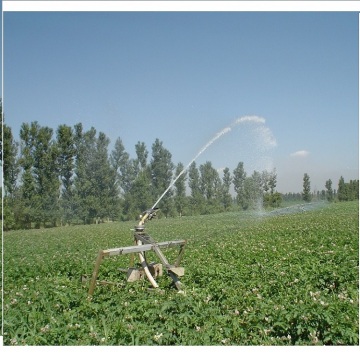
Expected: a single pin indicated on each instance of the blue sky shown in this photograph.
(183, 76)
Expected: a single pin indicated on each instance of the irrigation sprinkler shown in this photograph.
(143, 243)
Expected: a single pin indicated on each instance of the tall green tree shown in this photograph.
(138, 198)
(180, 189)
(124, 167)
(207, 180)
(342, 190)
(161, 167)
(46, 171)
(353, 189)
(306, 193)
(67, 151)
(272, 181)
(329, 191)
(271, 198)
(97, 196)
(40, 182)
(142, 154)
(10, 168)
(30, 202)
(83, 193)
(196, 199)
(104, 180)
(10, 161)
(226, 183)
(96, 179)
(254, 190)
(239, 185)
(348, 191)
(216, 202)
(210, 186)
(1, 130)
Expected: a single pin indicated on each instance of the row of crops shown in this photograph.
(289, 279)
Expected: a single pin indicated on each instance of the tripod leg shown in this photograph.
(175, 280)
(146, 269)
(95, 272)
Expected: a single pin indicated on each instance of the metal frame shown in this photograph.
(143, 243)
(173, 270)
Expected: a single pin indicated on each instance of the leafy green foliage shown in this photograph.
(306, 194)
(249, 280)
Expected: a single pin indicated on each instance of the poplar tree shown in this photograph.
(329, 191)
(341, 193)
(255, 190)
(29, 199)
(40, 183)
(270, 197)
(161, 168)
(354, 188)
(348, 191)
(46, 170)
(207, 180)
(239, 184)
(272, 181)
(180, 189)
(84, 196)
(103, 178)
(226, 183)
(210, 186)
(196, 199)
(306, 194)
(123, 166)
(142, 154)
(67, 152)
(10, 167)
(10, 163)
(138, 198)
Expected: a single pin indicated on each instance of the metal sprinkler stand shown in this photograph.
(143, 243)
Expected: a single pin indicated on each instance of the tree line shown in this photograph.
(70, 177)
(344, 192)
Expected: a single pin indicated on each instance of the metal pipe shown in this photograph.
(146, 269)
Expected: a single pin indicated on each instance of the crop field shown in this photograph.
(286, 279)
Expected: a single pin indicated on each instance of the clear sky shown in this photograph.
(183, 76)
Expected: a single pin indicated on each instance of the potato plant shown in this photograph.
(289, 279)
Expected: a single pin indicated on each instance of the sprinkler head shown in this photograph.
(150, 212)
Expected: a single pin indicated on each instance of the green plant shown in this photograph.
(249, 280)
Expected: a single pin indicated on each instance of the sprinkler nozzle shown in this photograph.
(151, 213)
(147, 215)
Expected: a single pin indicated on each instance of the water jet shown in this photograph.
(143, 242)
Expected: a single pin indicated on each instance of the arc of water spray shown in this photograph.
(217, 136)
(248, 118)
